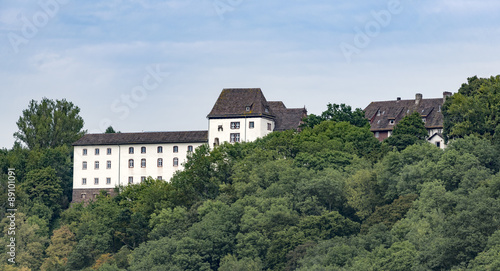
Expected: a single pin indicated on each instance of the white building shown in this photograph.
(245, 115)
(104, 161)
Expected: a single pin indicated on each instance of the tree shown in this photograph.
(49, 124)
(338, 113)
(410, 130)
(110, 130)
(61, 245)
(474, 109)
(43, 184)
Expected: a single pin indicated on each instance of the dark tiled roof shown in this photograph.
(286, 119)
(430, 109)
(143, 138)
(233, 103)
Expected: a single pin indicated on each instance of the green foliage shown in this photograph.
(49, 124)
(391, 213)
(43, 184)
(61, 245)
(231, 263)
(110, 130)
(330, 197)
(474, 109)
(338, 113)
(410, 130)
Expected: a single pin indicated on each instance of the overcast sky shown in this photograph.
(144, 65)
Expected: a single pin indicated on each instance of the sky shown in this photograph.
(145, 65)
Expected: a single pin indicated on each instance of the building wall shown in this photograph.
(381, 135)
(120, 171)
(437, 141)
(260, 129)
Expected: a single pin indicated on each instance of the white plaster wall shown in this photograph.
(437, 139)
(120, 171)
(90, 173)
(246, 133)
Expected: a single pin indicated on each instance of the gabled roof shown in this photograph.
(286, 118)
(380, 113)
(233, 102)
(436, 135)
(143, 138)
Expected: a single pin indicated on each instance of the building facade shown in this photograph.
(105, 161)
(244, 115)
(384, 115)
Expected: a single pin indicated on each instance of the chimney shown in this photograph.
(446, 94)
(418, 99)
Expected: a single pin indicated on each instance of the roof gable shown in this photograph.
(234, 102)
(381, 113)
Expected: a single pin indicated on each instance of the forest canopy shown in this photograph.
(328, 197)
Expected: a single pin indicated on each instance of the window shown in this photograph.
(143, 178)
(216, 141)
(190, 148)
(176, 149)
(84, 152)
(235, 125)
(160, 149)
(423, 119)
(108, 152)
(96, 165)
(130, 179)
(247, 108)
(84, 165)
(251, 125)
(95, 196)
(131, 150)
(176, 162)
(269, 126)
(160, 178)
(84, 181)
(143, 162)
(108, 180)
(84, 195)
(96, 180)
(160, 162)
(391, 122)
(108, 164)
(438, 144)
(131, 163)
(377, 134)
(220, 129)
(235, 137)
(96, 151)
(143, 149)
(378, 112)
(267, 110)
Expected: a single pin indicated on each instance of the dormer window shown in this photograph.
(391, 122)
(247, 108)
(266, 110)
(378, 112)
(423, 119)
